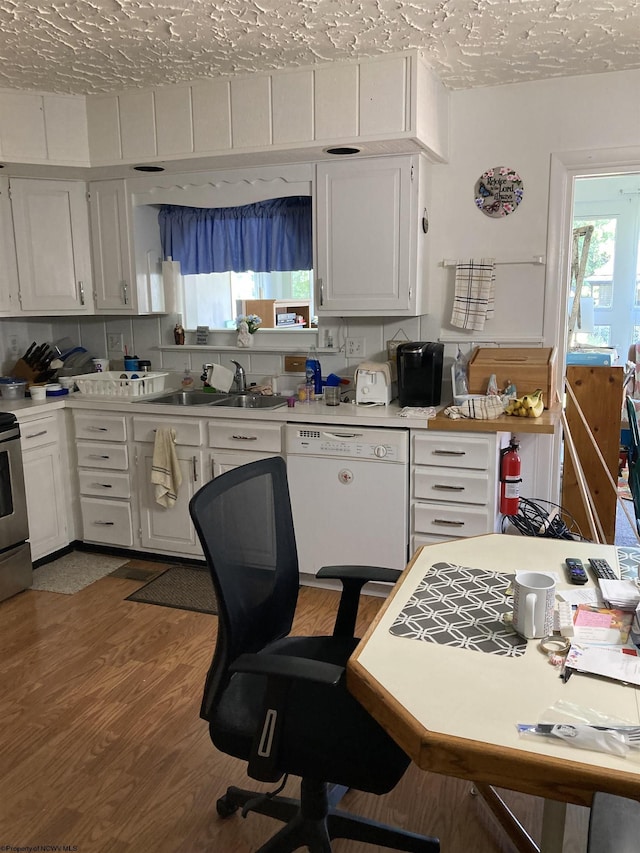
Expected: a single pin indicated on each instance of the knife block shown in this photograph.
(22, 370)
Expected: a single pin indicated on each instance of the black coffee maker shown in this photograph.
(419, 373)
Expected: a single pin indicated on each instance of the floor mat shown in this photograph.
(73, 572)
(182, 587)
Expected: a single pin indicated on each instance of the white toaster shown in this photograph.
(373, 383)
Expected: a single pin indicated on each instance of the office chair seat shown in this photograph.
(360, 755)
(614, 825)
(279, 702)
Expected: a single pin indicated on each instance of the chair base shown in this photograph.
(313, 821)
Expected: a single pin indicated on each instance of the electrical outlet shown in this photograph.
(355, 347)
(115, 343)
(13, 345)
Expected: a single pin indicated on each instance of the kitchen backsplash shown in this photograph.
(144, 335)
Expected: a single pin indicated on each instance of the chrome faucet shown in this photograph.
(240, 378)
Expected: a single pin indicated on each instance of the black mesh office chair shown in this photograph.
(280, 702)
(614, 825)
(633, 460)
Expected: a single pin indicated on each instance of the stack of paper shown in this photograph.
(624, 595)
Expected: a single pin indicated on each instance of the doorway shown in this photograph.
(610, 293)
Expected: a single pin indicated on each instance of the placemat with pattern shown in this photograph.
(461, 607)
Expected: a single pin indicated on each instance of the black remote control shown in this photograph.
(602, 569)
(576, 571)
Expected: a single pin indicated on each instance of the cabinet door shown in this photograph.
(8, 270)
(111, 247)
(366, 240)
(45, 500)
(51, 224)
(169, 530)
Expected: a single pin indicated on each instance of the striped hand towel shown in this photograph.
(165, 468)
(473, 302)
(479, 408)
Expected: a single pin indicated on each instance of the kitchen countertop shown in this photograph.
(346, 413)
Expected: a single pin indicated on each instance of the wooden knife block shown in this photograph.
(22, 370)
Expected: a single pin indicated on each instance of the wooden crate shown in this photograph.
(527, 367)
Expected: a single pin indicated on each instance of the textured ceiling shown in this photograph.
(91, 46)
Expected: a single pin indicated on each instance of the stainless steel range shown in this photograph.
(15, 554)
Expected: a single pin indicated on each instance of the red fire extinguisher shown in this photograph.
(510, 478)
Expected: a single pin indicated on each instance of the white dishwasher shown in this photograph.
(350, 495)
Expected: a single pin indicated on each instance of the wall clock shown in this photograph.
(498, 191)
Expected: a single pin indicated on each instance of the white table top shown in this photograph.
(455, 710)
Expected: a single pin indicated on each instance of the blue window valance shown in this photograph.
(261, 237)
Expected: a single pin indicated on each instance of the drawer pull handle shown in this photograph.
(97, 429)
(103, 485)
(97, 456)
(105, 523)
(244, 437)
(447, 523)
(195, 470)
(445, 487)
(36, 434)
(449, 452)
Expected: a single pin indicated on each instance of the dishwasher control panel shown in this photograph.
(378, 445)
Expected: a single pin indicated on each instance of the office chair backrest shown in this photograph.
(243, 519)
(633, 429)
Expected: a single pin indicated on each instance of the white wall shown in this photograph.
(519, 125)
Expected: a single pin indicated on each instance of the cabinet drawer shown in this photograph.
(451, 484)
(453, 451)
(248, 435)
(450, 521)
(187, 431)
(107, 521)
(91, 454)
(100, 427)
(105, 484)
(38, 433)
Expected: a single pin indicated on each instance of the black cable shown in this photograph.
(544, 519)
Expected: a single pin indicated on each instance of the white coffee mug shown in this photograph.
(534, 596)
(101, 365)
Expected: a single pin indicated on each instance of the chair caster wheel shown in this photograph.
(226, 808)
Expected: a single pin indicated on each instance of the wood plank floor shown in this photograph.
(102, 746)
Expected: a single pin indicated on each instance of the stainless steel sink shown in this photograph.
(188, 398)
(251, 401)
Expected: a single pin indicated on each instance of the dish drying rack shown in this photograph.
(124, 383)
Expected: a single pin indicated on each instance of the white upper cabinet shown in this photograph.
(370, 246)
(9, 304)
(114, 285)
(51, 225)
(127, 256)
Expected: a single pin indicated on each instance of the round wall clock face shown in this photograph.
(499, 191)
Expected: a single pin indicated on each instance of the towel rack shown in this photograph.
(534, 259)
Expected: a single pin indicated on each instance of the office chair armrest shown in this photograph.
(364, 573)
(353, 579)
(289, 667)
(281, 671)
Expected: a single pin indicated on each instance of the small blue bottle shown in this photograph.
(313, 371)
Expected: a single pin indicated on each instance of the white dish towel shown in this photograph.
(165, 468)
(473, 302)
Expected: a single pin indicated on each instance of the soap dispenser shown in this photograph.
(187, 380)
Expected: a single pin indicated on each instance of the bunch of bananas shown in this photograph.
(529, 406)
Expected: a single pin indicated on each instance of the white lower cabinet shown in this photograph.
(236, 443)
(44, 485)
(103, 474)
(454, 485)
(168, 530)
